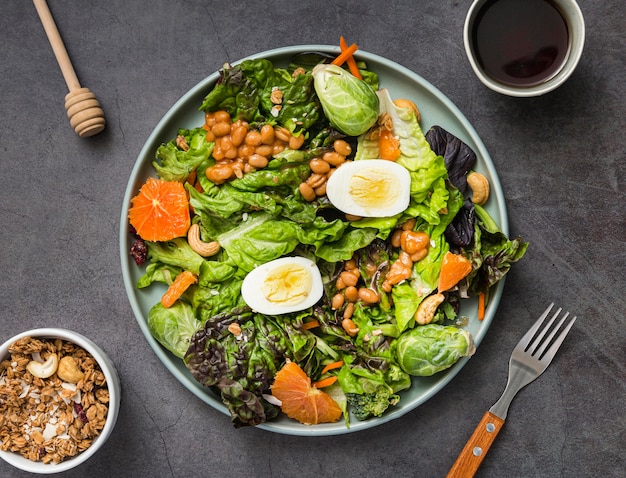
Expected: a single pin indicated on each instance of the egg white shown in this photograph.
(370, 188)
(252, 288)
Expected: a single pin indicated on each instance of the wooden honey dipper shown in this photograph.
(82, 106)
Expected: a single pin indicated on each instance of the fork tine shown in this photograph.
(532, 347)
(525, 340)
(551, 352)
(540, 349)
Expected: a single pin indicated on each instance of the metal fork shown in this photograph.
(530, 357)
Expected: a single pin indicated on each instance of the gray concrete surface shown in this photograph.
(560, 158)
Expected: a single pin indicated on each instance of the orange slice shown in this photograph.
(160, 211)
(454, 267)
(301, 400)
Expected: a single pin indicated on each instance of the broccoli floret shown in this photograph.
(367, 405)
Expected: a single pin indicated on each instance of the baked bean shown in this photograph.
(349, 278)
(351, 293)
(348, 312)
(316, 180)
(296, 142)
(350, 265)
(333, 158)
(210, 137)
(238, 134)
(245, 151)
(419, 255)
(209, 119)
(339, 283)
(307, 192)
(230, 153)
(226, 143)
(320, 190)
(409, 224)
(267, 134)
(219, 173)
(264, 150)
(278, 148)
(337, 301)
(253, 138)
(369, 296)
(218, 153)
(221, 129)
(257, 161)
(395, 238)
(342, 147)
(282, 134)
(319, 166)
(348, 324)
(222, 116)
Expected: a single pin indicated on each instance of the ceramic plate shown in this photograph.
(435, 108)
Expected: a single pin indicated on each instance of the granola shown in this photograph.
(50, 419)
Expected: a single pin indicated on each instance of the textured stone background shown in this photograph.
(560, 159)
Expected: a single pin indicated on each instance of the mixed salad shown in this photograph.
(365, 298)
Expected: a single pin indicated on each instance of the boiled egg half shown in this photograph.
(370, 188)
(284, 285)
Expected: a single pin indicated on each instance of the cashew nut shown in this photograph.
(426, 310)
(205, 249)
(69, 371)
(404, 103)
(44, 369)
(480, 187)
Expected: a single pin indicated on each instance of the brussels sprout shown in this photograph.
(428, 349)
(350, 104)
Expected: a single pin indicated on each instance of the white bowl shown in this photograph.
(576, 29)
(113, 385)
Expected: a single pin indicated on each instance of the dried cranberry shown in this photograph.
(139, 251)
(78, 408)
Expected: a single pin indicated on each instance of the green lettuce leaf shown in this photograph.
(175, 164)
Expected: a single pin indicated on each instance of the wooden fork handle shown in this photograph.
(476, 447)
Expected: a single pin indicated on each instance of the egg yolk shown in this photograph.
(372, 187)
(288, 284)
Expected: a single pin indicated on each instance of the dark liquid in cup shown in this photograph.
(520, 42)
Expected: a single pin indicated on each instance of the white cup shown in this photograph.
(570, 11)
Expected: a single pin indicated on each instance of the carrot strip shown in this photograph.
(354, 69)
(332, 366)
(311, 324)
(177, 288)
(344, 55)
(325, 382)
(481, 306)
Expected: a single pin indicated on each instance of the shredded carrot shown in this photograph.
(354, 69)
(481, 306)
(177, 288)
(344, 55)
(325, 382)
(191, 178)
(332, 366)
(311, 324)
